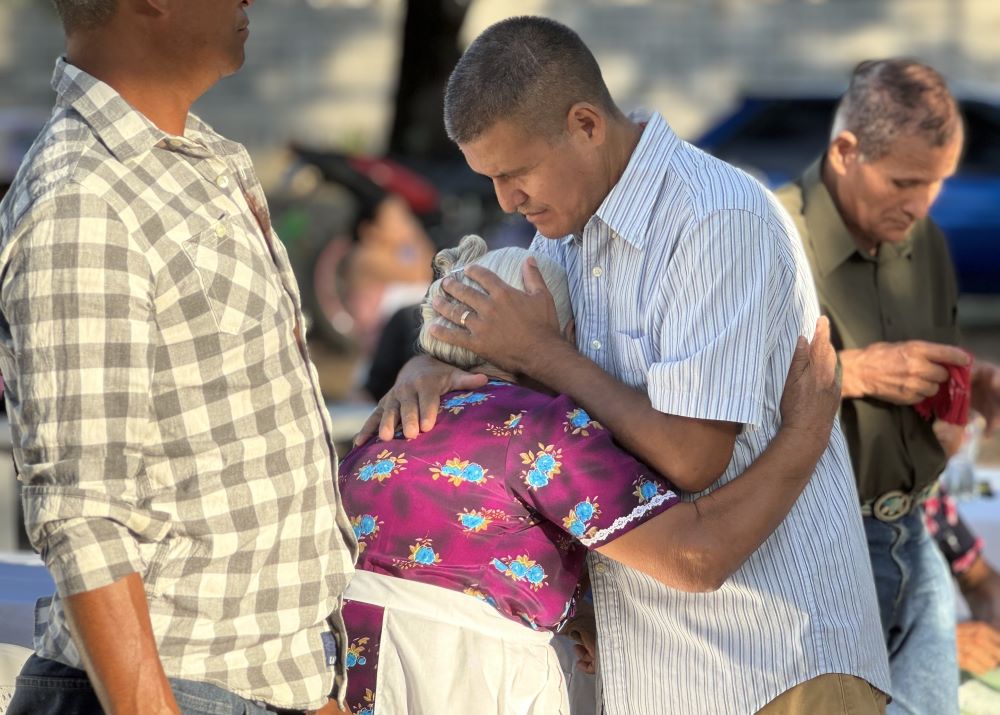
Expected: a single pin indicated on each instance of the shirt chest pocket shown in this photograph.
(632, 357)
(236, 276)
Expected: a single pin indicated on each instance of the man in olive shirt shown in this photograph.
(885, 279)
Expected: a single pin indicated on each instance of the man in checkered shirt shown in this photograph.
(169, 431)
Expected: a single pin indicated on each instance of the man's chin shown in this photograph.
(551, 232)
(895, 236)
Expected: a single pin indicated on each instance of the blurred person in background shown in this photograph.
(885, 279)
(689, 289)
(179, 480)
(474, 536)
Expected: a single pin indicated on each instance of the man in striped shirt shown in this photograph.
(689, 288)
(168, 427)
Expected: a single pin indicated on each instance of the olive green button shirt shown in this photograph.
(904, 292)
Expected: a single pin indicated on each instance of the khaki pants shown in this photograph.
(830, 694)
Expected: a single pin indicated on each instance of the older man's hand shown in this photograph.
(902, 373)
(507, 327)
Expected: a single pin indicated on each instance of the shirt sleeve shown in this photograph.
(714, 344)
(75, 298)
(566, 467)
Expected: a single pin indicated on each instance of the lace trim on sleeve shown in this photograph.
(623, 521)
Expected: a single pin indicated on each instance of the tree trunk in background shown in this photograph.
(430, 51)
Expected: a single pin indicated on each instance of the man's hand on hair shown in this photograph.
(506, 327)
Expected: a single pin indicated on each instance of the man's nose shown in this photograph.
(919, 204)
(508, 197)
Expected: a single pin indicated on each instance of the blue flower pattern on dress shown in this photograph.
(457, 403)
(459, 471)
(365, 526)
(522, 569)
(542, 465)
(646, 489)
(473, 521)
(579, 516)
(382, 467)
(477, 520)
(354, 655)
(422, 553)
(579, 422)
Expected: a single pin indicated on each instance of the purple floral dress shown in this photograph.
(501, 501)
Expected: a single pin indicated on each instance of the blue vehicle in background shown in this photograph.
(775, 138)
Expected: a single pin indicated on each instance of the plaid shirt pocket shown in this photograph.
(234, 277)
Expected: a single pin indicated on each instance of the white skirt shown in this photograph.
(445, 652)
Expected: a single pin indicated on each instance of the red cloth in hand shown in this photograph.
(951, 403)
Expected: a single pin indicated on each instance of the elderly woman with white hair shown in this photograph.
(474, 536)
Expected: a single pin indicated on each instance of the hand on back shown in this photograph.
(412, 403)
(812, 389)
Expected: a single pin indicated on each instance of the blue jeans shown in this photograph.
(917, 603)
(46, 687)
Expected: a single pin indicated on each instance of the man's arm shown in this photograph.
(76, 296)
(112, 631)
(691, 453)
(696, 546)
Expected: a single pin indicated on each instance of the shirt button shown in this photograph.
(220, 230)
(222, 182)
(600, 568)
(596, 344)
(597, 271)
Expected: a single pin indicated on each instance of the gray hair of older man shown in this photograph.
(896, 97)
(86, 14)
(506, 264)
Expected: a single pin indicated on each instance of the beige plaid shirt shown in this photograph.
(166, 417)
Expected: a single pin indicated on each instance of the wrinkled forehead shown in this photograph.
(917, 156)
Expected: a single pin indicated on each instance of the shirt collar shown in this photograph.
(628, 206)
(126, 132)
(832, 243)
(123, 130)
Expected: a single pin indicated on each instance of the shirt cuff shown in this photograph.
(85, 554)
(686, 390)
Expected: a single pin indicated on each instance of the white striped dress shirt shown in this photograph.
(690, 282)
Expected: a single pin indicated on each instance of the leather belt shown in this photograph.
(893, 506)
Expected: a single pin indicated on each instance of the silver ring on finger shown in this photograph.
(461, 321)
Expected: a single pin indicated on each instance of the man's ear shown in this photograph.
(587, 122)
(844, 152)
(144, 8)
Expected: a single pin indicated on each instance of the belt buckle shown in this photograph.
(892, 506)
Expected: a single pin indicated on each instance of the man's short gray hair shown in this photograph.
(85, 14)
(529, 70)
(896, 97)
(506, 263)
